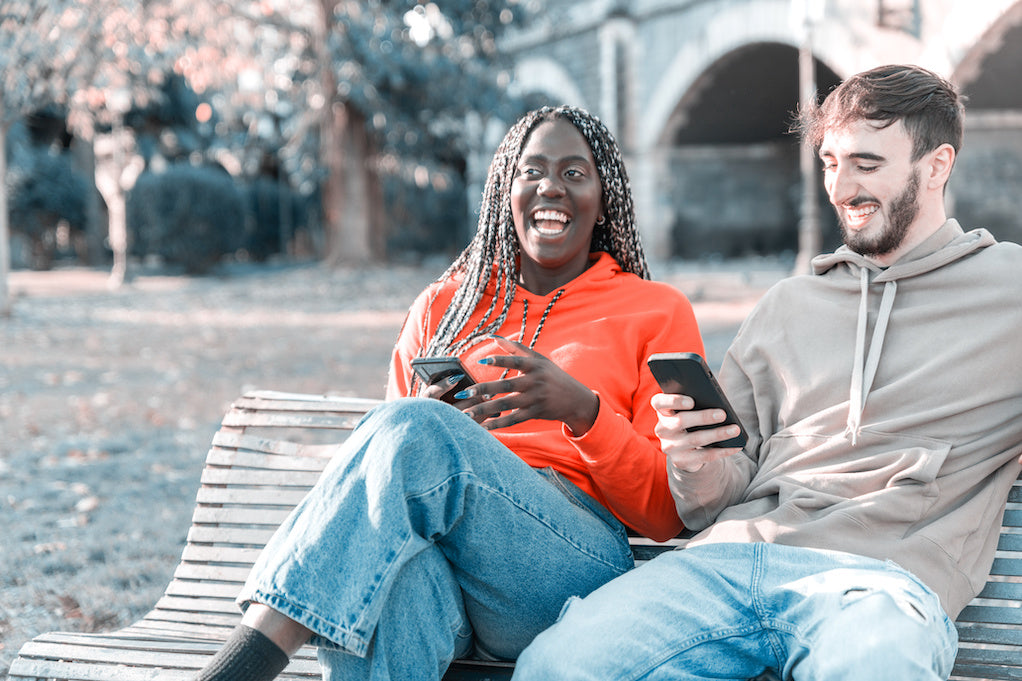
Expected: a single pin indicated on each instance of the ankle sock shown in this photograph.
(248, 655)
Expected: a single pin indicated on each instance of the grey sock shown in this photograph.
(248, 655)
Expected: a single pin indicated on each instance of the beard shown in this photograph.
(897, 219)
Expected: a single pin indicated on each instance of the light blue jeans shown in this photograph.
(735, 611)
(424, 536)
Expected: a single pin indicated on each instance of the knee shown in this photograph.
(410, 410)
(881, 635)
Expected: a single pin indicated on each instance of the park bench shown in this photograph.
(268, 452)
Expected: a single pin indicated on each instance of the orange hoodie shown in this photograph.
(600, 330)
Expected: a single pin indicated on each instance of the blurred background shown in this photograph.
(179, 134)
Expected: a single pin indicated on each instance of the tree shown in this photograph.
(404, 77)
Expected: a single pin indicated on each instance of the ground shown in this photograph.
(109, 400)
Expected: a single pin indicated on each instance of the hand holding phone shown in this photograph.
(686, 373)
(433, 370)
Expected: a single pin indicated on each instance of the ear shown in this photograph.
(941, 160)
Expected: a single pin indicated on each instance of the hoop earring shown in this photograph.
(601, 221)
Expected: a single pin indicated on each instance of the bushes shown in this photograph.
(188, 215)
(47, 204)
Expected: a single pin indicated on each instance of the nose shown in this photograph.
(840, 186)
(550, 186)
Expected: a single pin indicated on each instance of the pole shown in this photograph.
(809, 237)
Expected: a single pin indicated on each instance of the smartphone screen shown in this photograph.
(686, 373)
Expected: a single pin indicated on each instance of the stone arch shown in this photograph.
(993, 60)
(727, 31)
(547, 77)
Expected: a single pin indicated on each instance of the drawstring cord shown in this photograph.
(542, 321)
(865, 367)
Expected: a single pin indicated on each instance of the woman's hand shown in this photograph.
(689, 450)
(539, 390)
(441, 390)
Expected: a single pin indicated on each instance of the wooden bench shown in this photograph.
(268, 452)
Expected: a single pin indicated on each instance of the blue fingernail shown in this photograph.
(486, 360)
(463, 395)
(453, 380)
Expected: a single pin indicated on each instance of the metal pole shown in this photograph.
(809, 237)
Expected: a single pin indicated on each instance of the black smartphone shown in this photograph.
(686, 373)
(434, 369)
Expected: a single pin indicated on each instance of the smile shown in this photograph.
(860, 214)
(550, 222)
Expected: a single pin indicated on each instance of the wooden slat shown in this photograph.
(239, 515)
(271, 478)
(271, 496)
(269, 399)
(306, 458)
(230, 555)
(219, 573)
(296, 420)
(180, 587)
(201, 534)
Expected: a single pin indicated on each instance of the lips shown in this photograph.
(860, 214)
(549, 222)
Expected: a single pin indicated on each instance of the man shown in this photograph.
(882, 396)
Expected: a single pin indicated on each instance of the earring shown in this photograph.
(601, 221)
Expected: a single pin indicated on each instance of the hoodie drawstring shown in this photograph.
(865, 367)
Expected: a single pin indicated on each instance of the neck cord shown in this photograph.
(542, 320)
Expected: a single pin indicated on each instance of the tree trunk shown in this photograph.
(114, 175)
(5, 231)
(351, 195)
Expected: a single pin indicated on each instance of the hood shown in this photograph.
(946, 245)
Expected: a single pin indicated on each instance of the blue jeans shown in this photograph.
(735, 611)
(425, 535)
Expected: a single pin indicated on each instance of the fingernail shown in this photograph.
(486, 360)
(463, 395)
(453, 380)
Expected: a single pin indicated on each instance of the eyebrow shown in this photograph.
(861, 156)
(566, 159)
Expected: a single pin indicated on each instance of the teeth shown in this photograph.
(550, 215)
(862, 213)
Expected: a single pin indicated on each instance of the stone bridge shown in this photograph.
(700, 94)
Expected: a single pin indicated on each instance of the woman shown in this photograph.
(440, 529)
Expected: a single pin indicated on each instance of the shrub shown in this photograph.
(189, 216)
(48, 200)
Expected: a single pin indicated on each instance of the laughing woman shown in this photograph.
(458, 526)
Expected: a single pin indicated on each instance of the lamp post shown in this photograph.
(804, 15)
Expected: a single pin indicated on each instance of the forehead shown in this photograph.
(864, 137)
(556, 139)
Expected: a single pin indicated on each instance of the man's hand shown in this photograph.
(688, 451)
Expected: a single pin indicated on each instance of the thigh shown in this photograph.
(524, 549)
(683, 615)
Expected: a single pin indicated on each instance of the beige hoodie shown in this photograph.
(884, 408)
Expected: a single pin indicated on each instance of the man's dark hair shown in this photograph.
(930, 107)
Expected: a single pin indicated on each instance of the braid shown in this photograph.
(491, 259)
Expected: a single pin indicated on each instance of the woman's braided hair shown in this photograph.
(491, 259)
